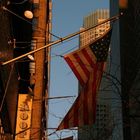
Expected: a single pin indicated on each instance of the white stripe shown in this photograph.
(78, 68)
(84, 60)
(91, 54)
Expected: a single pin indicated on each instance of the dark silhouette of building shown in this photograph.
(15, 35)
(19, 80)
(125, 54)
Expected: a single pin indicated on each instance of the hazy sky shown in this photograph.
(67, 18)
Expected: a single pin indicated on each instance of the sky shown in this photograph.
(67, 18)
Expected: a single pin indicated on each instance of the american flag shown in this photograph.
(87, 64)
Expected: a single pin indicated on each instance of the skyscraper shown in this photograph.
(93, 19)
(102, 129)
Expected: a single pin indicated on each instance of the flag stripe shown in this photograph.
(80, 109)
(85, 66)
(90, 98)
(84, 55)
(71, 118)
(66, 125)
(79, 68)
(89, 56)
(78, 71)
(85, 107)
(75, 121)
(82, 65)
(74, 70)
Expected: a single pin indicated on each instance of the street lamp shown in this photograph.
(28, 14)
(30, 57)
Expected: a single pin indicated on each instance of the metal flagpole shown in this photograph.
(116, 17)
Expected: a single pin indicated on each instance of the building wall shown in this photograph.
(130, 59)
(127, 33)
(134, 7)
(93, 19)
(116, 73)
(8, 75)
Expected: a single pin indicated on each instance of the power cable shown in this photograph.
(66, 41)
(18, 3)
(7, 85)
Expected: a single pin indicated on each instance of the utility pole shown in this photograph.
(39, 37)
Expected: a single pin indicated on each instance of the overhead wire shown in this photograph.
(70, 39)
(6, 9)
(6, 88)
(18, 3)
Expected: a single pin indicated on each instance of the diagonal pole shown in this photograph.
(114, 18)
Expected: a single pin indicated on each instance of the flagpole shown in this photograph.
(58, 97)
(114, 18)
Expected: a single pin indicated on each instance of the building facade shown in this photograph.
(20, 80)
(125, 54)
(8, 77)
(93, 19)
(103, 127)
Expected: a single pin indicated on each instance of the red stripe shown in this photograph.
(85, 106)
(74, 69)
(76, 106)
(97, 78)
(82, 108)
(90, 92)
(94, 108)
(82, 64)
(66, 121)
(88, 57)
